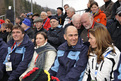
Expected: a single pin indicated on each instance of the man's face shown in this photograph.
(71, 36)
(65, 7)
(17, 20)
(69, 13)
(17, 35)
(118, 18)
(49, 13)
(23, 25)
(39, 25)
(86, 22)
(43, 16)
(53, 23)
(59, 11)
(77, 23)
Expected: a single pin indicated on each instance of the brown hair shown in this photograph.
(103, 41)
(44, 34)
(8, 20)
(18, 27)
(93, 3)
(9, 26)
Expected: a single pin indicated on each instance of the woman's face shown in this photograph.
(92, 41)
(40, 40)
(94, 8)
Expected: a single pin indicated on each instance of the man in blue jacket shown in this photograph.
(20, 52)
(71, 58)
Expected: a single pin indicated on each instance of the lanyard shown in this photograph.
(45, 21)
(12, 49)
(97, 64)
(36, 59)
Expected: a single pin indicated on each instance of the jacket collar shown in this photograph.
(77, 47)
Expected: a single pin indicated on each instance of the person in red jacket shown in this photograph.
(99, 16)
(46, 22)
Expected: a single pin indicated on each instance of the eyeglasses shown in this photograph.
(119, 15)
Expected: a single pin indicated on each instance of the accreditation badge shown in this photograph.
(8, 66)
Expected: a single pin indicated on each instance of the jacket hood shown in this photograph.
(77, 47)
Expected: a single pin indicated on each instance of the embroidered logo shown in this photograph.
(98, 20)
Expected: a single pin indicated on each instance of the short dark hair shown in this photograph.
(66, 5)
(94, 3)
(18, 27)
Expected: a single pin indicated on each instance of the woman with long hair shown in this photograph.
(103, 56)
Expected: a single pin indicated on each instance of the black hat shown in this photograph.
(60, 8)
(118, 11)
(53, 17)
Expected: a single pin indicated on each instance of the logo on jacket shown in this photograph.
(98, 20)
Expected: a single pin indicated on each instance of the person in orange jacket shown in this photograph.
(99, 16)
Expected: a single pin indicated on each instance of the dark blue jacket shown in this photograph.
(70, 62)
(55, 36)
(20, 58)
(3, 49)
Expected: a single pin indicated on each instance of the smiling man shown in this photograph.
(71, 58)
(20, 52)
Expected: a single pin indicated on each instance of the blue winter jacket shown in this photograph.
(20, 58)
(3, 48)
(70, 62)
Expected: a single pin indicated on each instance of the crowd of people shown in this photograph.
(63, 47)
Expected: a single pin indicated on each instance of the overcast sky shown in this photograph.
(77, 4)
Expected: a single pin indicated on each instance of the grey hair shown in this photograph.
(76, 16)
(71, 9)
(44, 12)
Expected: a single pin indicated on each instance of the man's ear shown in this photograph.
(64, 36)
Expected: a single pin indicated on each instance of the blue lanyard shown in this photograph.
(45, 21)
(104, 57)
(13, 48)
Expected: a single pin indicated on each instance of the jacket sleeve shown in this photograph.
(77, 71)
(4, 52)
(103, 20)
(86, 73)
(117, 67)
(23, 65)
(54, 69)
(50, 58)
(30, 67)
